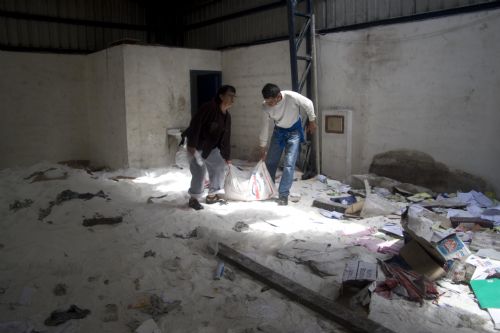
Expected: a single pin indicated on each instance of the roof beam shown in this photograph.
(73, 21)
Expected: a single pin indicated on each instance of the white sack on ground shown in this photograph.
(249, 185)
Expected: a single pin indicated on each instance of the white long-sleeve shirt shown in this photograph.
(285, 113)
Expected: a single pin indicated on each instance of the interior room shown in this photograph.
(387, 218)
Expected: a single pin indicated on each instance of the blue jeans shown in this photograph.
(291, 148)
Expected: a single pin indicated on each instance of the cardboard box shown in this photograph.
(452, 247)
(356, 270)
(420, 261)
(424, 243)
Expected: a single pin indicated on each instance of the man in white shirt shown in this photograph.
(284, 108)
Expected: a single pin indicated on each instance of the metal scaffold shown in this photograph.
(308, 76)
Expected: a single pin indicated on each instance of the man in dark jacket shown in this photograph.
(208, 143)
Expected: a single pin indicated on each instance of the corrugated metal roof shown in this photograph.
(330, 14)
(348, 12)
(90, 25)
(70, 25)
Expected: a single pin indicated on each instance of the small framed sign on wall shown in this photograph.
(334, 124)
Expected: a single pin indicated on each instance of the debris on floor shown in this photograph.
(49, 174)
(99, 219)
(68, 195)
(59, 317)
(436, 232)
(241, 226)
(60, 289)
(17, 205)
(110, 313)
(409, 258)
(192, 234)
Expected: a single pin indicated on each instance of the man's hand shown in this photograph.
(191, 150)
(311, 127)
(262, 153)
(226, 106)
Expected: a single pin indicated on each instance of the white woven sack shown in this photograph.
(249, 185)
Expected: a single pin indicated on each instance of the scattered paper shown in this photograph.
(393, 228)
(149, 326)
(331, 214)
(489, 253)
(495, 316)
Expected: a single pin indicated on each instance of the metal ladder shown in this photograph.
(306, 32)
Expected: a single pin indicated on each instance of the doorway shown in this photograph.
(204, 86)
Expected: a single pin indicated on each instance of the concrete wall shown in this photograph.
(112, 107)
(248, 69)
(157, 92)
(107, 134)
(42, 108)
(431, 86)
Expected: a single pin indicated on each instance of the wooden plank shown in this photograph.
(456, 220)
(296, 292)
(337, 207)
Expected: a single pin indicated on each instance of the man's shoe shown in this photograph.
(195, 204)
(211, 199)
(283, 201)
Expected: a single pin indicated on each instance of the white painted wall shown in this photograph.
(42, 108)
(432, 86)
(248, 69)
(107, 134)
(112, 107)
(157, 93)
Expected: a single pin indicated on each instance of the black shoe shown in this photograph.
(195, 204)
(283, 201)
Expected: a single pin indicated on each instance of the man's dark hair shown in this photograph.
(222, 90)
(270, 90)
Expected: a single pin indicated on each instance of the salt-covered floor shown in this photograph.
(112, 269)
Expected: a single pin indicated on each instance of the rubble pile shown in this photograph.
(425, 243)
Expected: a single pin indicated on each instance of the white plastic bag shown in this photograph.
(250, 185)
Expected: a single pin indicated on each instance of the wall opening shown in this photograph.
(204, 86)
